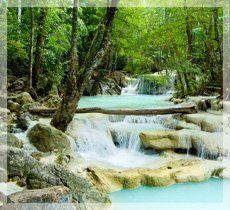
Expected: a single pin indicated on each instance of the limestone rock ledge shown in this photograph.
(206, 144)
(171, 172)
(206, 121)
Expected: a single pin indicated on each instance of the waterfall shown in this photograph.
(132, 87)
(113, 140)
(151, 84)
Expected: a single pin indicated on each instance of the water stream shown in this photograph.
(114, 140)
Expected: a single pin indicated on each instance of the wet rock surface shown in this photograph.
(40, 176)
(47, 138)
(161, 174)
(13, 141)
(207, 145)
(58, 194)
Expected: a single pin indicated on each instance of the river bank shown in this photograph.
(110, 153)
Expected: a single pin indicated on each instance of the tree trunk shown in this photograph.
(219, 48)
(37, 68)
(209, 52)
(31, 47)
(78, 79)
(181, 84)
(217, 34)
(162, 111)
(190, 49)
(66, 110)
(190, 38)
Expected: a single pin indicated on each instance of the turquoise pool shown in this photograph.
(203, 192)
(125, 101)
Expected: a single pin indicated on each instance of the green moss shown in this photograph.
(160, 80)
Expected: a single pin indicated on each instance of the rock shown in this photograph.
(164, 174)
(206, 121)
(216, 105)
(21, 182)
(19, 162)
(13, 106)
(57, 194)
(24, 120)
(13, 141)
(177, 100)
(33, 105)
(47, 138)
(179, 124)
(3, 175)
(166, 139)
(37, 155)
(40, 176)
(203, 103)
(207, 145)
(17, 84)
(23, 98)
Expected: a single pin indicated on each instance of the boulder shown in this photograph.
(216, 105)
(209, 145)
(47, 138)
(24, 120)
(166, 139)
(23, 98)
(13, 106)
(19, 162)
(40, 176)
(13, 141)
(57, 194)
(179, 124)
(206, 121)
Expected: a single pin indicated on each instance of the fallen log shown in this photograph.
(161, 111)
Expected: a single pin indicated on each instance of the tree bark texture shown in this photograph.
(31, 47)
(37, 68)
(78, 77)
(162, 111)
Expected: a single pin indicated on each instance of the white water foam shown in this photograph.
(117, 144)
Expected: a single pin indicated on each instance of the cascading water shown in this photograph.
(151, 84)
(113, 140)
(132, 87)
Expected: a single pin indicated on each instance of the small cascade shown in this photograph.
(151, 84)
(113, 140)
(93, 138)
(132, 87)
(128, 140)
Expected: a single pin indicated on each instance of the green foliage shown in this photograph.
(159, 80)
(144, 41)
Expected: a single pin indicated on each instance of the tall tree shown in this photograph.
(79, 77)
(37, 68)
(218, 40)
(31, 47)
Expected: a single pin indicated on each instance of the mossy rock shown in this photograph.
(47, 138)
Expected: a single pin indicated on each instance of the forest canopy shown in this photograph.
(144, 40)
